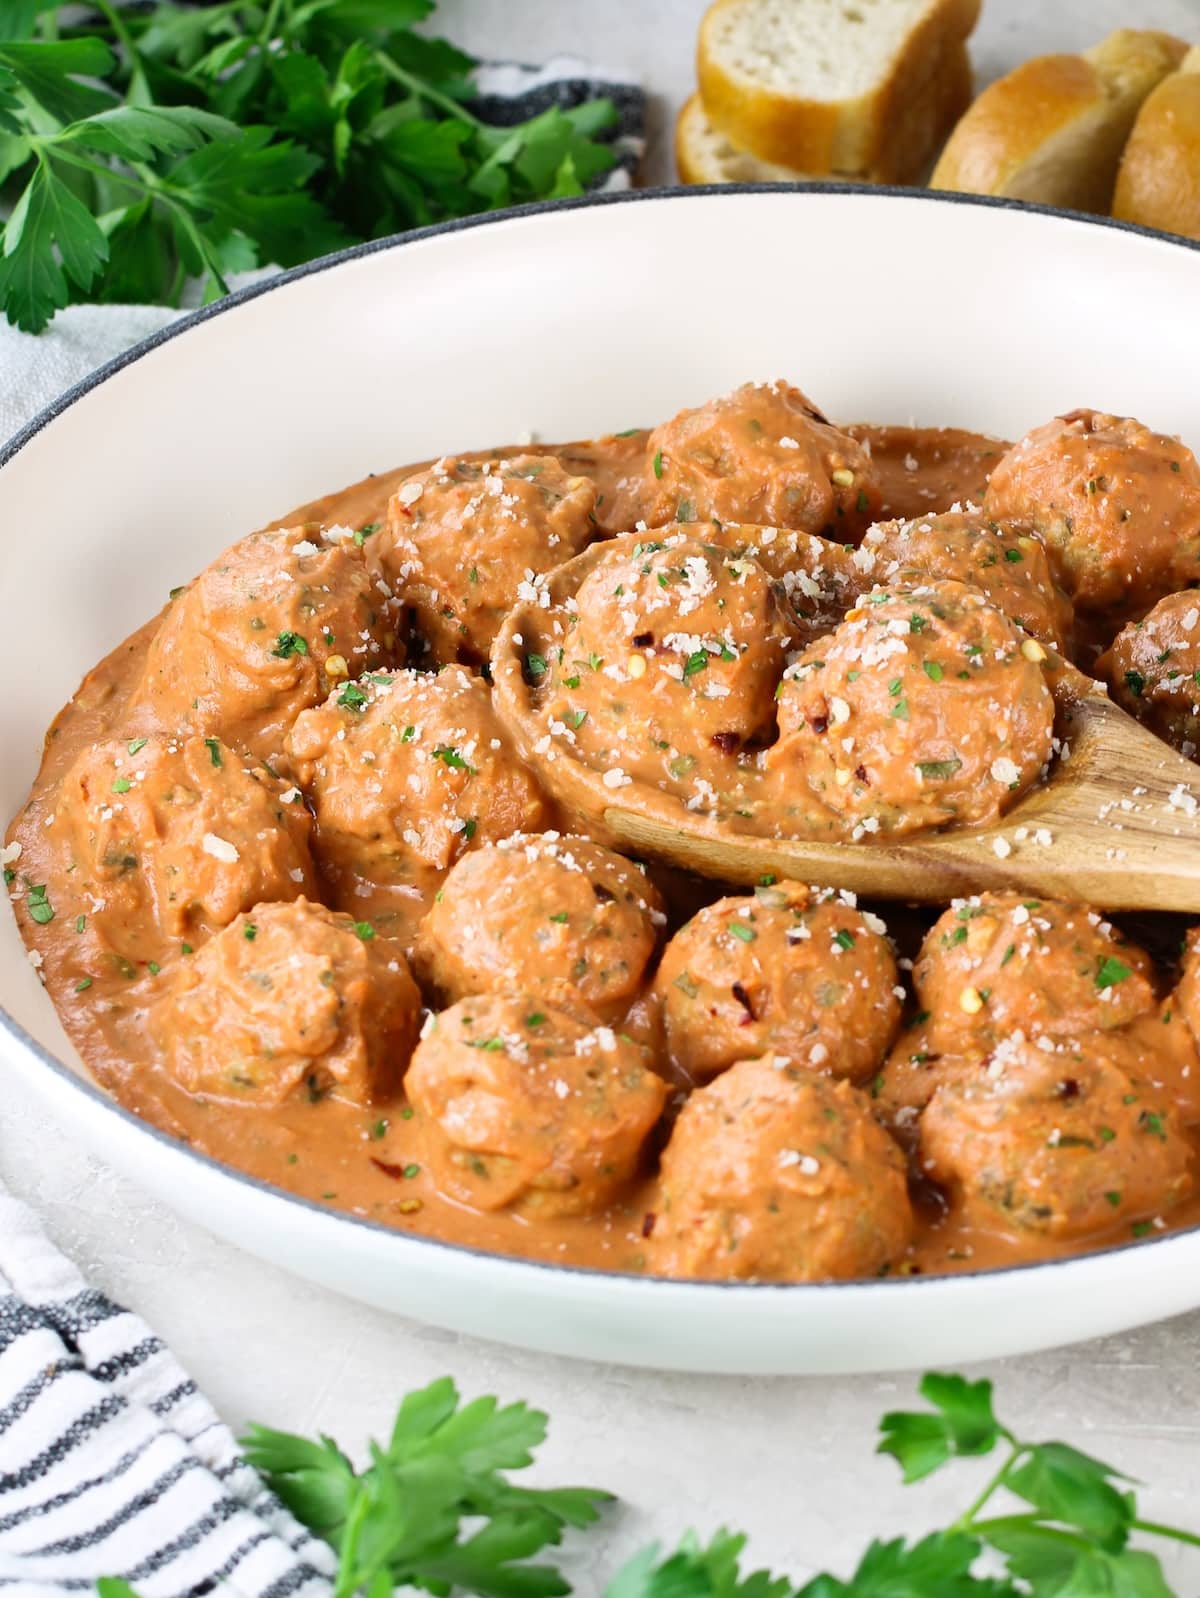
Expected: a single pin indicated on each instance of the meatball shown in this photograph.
(1057, 1139)
(1117, 506)
(1153, 669)
(924, 708)
(999, 962)
(261, 634)
(462, 537)
(776, 1174)
(763, 454)
(524, 1107)
(167, 840)
(1003, 559)
(673, 662)
(559, 918)
(405, 771)
(290, 1000)
(812, 980)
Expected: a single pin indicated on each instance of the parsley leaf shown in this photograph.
(961, 1423)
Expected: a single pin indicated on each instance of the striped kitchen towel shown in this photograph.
(112, 1463)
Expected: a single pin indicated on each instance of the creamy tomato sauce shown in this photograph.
(368, 1150)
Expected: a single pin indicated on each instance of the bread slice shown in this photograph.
(1053, 129)
(702, 155)
(1158, 183)
(864, 88)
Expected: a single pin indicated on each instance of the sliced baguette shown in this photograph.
(867, 88)
(703, 155)
(1052, 130)
(1158, 183)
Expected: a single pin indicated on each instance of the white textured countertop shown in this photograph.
(789, 1461)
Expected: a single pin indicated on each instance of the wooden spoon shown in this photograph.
(1116, 824)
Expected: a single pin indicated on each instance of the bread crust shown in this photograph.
(888, 134)
(1158, 184)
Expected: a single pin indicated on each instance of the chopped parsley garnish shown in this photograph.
(843, 938)
(1111, 971)
(249, 932)
(364, 532)
(695, 662)
(1008, 954)
(153, 967)
(380, 1128)
(595, 661)
(40, 908)
(1141, 1229)
(1135, 682)
(365, 930)
(685, 511)
(917, 624)
(627, 432)
(933, 671)
(470, 827)
(863, 500)
(535, 1019)
(489, 1045)
(742, 931)
(1013, 555)
(289, 644)
(121, 785)
(560, 916)
(352, 697)
(214, 750)
(84, 985)
(80, 923)
(407, 736)
(135, 744)
(900, 710)
(895, 686)
(658, 463)
(449, 756)
(577, 718)
(411, 1170)
(939, 770)
(535, 665)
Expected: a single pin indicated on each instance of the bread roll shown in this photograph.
(1158, 183)
(1052, 130)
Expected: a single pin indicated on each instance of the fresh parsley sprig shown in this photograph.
(143, 148)
(1069, 1537)
(400, 1521)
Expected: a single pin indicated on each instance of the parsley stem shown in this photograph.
(348, 1576)
(139, 89)
(967, 1520)
(426, 91)
(1156, 1529)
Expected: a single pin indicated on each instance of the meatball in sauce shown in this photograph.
(924, 707)
(763, 454)
(265, 631)
(804, 976)
(526, 1107)
(554, 916)
(1117, 506)
(462, 537)
(774, 1173)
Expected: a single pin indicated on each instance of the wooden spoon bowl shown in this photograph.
(1115, 824)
